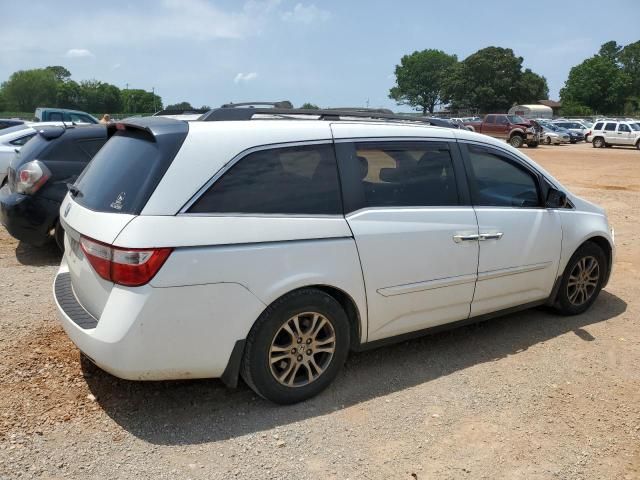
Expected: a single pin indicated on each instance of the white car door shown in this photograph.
(520, 240)
(610, 135)
(624, 134)
(416, 236)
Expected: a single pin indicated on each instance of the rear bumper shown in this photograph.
(149, 333)
(27, 217)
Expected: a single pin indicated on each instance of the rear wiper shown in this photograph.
(75, 191)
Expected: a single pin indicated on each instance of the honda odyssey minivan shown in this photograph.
(267, 244)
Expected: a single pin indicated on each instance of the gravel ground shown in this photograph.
(531, 395)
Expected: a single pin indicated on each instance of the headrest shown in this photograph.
(363, 165)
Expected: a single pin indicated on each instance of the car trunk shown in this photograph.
(110, 193)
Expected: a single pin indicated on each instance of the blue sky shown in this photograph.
(332, 53)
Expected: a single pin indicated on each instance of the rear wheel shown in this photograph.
(598, 142)
(638, 144)
(582, 280)
(297, 347)
(516, 141)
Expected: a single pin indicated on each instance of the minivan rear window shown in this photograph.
(122, 175)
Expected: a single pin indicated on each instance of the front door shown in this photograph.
(624, 134)
(416, 236)
(520, 240)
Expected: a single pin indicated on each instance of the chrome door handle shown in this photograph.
(490, 236)
(465, 238)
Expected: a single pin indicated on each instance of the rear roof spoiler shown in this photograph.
(153, 126)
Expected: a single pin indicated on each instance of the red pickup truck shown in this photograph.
(514, 129)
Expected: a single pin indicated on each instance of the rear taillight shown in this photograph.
(30, 177)
(131, 267)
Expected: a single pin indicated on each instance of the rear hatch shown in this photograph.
(111, 192)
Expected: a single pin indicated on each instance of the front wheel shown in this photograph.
(297, 347)
(582, 280)
(516, 141)
(533, 145)
(547, 140)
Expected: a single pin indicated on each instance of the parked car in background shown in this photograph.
(11, 140)
(573, 136)
(512, 128)
(10, 122)
(553, 136)
(573, 126)
(38, 178)
(613, 133)
(270, 246)
(44, 114)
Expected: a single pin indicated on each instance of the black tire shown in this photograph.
(547, 140)
(58, 236)
(533, 145)
(516, 141)
(638, 144)
(598, 142)
(257, 363)
(564, 303)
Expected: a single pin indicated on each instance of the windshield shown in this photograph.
(516, 119)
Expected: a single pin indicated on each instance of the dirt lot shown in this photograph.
(528, 396)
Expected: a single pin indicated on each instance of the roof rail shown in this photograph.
(280, 104)
(179, 112)
(239, 114)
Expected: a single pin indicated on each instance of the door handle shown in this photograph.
(465, 238)
(490, 236)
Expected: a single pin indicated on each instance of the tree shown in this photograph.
(610, 50)
(61, 73)
(180, 106)
(629, 59)
(420, 78)
(492, 80)
(28, 89)
(98, 97)
(309, 106)
(597, 83)
(140, 101)
(532, 87)
(68, 95)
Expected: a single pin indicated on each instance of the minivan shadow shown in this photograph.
(193, 412)
(44, 256)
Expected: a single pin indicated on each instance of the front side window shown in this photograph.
(635, 127)
(497, 181)
(55, 117)
(490, 119)
(290, 180)
(502, 120)
(397, 174)
(610, 127)
(623, 128)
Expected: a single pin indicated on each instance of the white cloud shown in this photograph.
(78, 53)
(245, 77)
(306, 14)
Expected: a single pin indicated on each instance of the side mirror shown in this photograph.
(555, 199)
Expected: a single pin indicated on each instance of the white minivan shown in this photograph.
(266, 244)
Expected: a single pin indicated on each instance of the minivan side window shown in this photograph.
(397, 174)
(497, 181)
(289, 180)
(610, 127)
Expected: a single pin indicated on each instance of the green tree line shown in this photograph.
(493, 79)
(25, 90)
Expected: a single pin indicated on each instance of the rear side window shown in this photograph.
(55, 117)
(21, 141)
(397, 174)
(290, 180)
(610, 127)
(598, 126)
(500, 182)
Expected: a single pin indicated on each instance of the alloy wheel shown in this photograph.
(302, 349)
(583, 280)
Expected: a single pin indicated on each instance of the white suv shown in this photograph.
(264, 245)
(607, 133)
